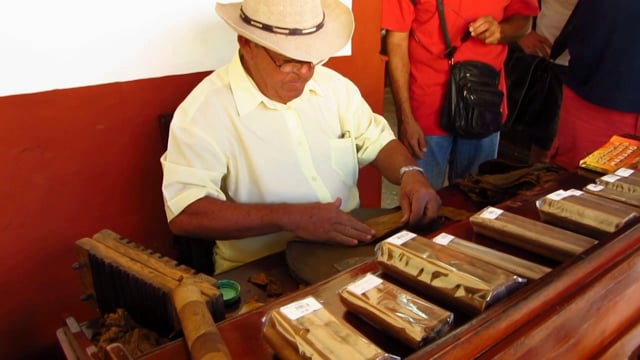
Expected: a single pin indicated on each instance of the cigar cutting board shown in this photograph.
(313, 262)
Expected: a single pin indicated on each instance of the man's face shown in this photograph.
(279, 78)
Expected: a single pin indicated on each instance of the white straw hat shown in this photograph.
(307, 30)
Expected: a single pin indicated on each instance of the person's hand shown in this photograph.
(419, 201)
(411, 136)
(326, 223)
(535, 44)
(486, 29)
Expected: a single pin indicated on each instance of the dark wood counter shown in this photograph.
(586, 307)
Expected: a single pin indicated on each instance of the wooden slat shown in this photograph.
(162, 265)
(144, 266)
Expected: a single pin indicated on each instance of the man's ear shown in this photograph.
(247, 47)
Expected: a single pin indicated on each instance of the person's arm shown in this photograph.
(419, 201)
(511, 28)
(409, 132)
(211, 218)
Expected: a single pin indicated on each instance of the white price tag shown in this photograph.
(443, 239)
(301, 308)
(558, 195)
(574, 192)
(595, 187)
(491, 213)
(401, 237)
(624, 172)
(365, 284)
(610, 178)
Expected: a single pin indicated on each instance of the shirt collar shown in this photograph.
(247, 95)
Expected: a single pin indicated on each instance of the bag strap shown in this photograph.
(450, 49)
(561, 43)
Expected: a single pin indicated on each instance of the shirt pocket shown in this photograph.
(344, 159)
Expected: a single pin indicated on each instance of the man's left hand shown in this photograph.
(419, 201)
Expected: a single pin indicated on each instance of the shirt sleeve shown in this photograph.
(522, 7)
(397, 15)
(189, 169)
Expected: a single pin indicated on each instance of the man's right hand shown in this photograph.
(412, 137)
(327, 223)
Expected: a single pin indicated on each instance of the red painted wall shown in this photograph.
(79, 160)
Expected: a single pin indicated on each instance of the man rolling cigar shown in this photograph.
(268, 147)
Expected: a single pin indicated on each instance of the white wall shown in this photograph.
(47, 44)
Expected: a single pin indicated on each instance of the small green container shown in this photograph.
(230, 291)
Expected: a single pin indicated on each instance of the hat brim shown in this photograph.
(321, 45)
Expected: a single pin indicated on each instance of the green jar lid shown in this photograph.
(230, 291)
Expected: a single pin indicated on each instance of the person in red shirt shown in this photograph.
(419, 71)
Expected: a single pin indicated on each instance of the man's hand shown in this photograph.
(535, 44)
(419, 201)
(486, 29)
(327, 223)
(412, 137)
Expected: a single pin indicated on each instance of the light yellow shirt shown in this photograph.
(230, 142)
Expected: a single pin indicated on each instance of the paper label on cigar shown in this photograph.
(624, 172)
(443, 239)
(301, 308)
(491, 213)
(365, 284)
(595, 187)
(558, 195)
(610, 178)
(401, 237)
(574, 192)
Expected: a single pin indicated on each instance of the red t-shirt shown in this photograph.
(429, 67)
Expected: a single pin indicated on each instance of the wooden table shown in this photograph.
(587, 307)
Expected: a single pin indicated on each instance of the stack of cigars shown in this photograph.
(423, 281)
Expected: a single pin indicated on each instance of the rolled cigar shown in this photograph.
(200, 331)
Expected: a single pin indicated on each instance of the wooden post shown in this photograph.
(200, 331)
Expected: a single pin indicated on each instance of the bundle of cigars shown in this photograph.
(585, 213)
(304, 329)
(513, 264)
(464, 282)
(622, 186)
(528, 234)
(405, 316)
(422, 282)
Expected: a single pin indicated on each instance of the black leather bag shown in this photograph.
(534, 96)
(473, 100)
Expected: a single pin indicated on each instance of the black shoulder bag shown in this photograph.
(534, 91)
(473, 100)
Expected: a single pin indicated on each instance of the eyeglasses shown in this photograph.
(289, 66)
